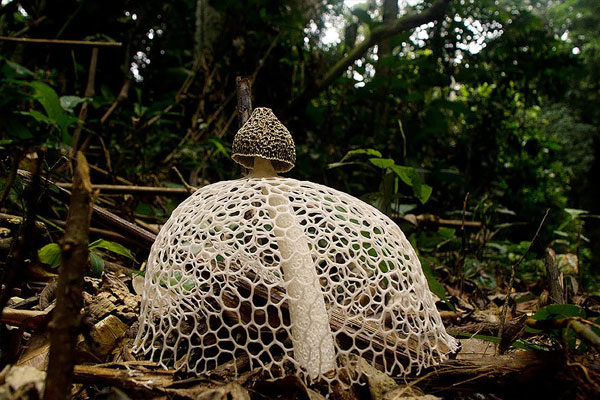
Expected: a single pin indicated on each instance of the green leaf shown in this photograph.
(424, 193)
(18, 69)
(50, 254)
(50, 102)
(558, 311)
(368, 152)
(219, 148)
(404, 173)
(574, 212)
(111, 246)
(68, 103)
(409, 176)
(382, 162)
(97, 264)
(446, 233)
(39, 117)
(434, 285)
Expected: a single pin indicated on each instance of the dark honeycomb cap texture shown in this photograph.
(263, 135)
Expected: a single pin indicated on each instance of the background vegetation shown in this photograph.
(496, 99)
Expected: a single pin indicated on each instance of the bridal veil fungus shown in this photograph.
(297, 277)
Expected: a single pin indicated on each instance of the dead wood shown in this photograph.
(66, 322)
(26, 319)
(116, 222)
(554, 278)
(424, 220)
(244, 99)
(152, 190)
(145, 376)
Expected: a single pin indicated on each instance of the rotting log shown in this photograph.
(66, 321)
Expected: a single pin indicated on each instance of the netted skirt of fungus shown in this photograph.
(295, 276)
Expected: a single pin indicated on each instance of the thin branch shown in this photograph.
(109, 218)
(189, 188)
(89, 92)
(122, 96)
(60, 42)
(262, 61)
(157, 190)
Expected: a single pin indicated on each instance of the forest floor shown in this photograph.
(557, 359)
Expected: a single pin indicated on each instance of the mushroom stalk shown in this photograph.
(312, 339)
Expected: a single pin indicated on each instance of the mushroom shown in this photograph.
(287, 273)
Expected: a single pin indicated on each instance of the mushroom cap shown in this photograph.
(263, 135)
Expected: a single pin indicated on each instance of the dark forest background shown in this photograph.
(497, 99)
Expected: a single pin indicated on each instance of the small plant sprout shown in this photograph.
(297, 277)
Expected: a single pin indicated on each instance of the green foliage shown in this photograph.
(387, 199)
(50, 254)
(112, 247)
(557, 311)
(493, 100)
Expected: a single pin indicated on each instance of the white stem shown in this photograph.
(311, 335)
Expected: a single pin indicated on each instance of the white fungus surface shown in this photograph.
(338, 275)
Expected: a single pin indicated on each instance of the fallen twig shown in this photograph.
(107, 217)
(132, 189)
(429, 219)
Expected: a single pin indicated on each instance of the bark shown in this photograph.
(244, 99)
(553, 277)
(66, 322)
